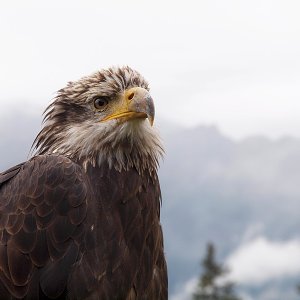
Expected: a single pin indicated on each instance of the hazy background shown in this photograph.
(225, 76)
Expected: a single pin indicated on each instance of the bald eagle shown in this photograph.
(81, 218)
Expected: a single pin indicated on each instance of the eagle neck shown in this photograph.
(134, 145)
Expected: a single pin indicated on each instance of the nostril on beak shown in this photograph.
(130, 96)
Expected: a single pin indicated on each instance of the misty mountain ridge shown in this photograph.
(216, 189)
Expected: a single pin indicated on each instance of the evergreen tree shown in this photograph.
(210, 285)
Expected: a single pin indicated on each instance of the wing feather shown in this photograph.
(19, 264)
(43, 206)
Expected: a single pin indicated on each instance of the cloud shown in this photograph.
(261, 260)
(233, 61)
(256, 262)
(186, 291)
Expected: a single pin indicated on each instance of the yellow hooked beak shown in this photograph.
(136, 103)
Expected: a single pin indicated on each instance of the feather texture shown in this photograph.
(72, 233)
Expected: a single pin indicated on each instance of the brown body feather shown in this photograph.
(72, 233)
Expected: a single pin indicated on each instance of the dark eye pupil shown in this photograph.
(100, 102)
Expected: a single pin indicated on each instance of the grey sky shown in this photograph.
(231, 63)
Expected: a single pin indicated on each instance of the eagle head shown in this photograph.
(106, 117)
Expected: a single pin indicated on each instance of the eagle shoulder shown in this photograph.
(10, 173)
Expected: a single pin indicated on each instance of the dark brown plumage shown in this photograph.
(85, 224)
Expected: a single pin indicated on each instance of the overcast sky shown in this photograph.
(232, 63)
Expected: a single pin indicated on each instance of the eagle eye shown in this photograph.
(100, 102)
